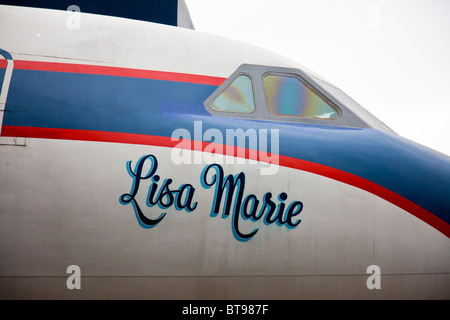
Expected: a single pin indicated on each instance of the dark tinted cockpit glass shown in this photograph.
(237, 97)
(288, 95)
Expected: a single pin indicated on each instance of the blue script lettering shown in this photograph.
(229, 198)
(233, 186)
(164, 198)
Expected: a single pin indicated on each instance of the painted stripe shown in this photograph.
(6, 75)
(5, 84)
(5, 54)
(186, 90)
(285, 161)
(117, 71)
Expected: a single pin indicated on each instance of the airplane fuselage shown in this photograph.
(110, 161)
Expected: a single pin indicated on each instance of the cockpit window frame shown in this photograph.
(256, 73)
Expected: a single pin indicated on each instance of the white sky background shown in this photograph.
(391, 56)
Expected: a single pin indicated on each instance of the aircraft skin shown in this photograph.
(88, 178)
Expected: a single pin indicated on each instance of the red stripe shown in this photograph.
(319, 169)
(371, 187)
(115, 71)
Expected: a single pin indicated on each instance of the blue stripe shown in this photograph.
(156, 107)
(2, 76)
(5, 54)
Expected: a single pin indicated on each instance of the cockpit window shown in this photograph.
(289, 95)
(237, 97)
(286, 95)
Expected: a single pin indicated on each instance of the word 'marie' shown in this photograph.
(229, 198)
